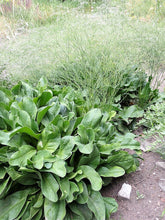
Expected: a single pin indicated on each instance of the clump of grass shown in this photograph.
(88, 49)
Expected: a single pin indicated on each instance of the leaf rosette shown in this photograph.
(55, 156)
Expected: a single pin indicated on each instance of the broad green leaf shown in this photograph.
(96, 205)
(39, 201)
(111, 206)
(131, 112)
(64, 187)
(29, 106)
(40, 158)
(93, 159)
(53, 111)
(82, 211)
(42, 84)
(13, 173)
(85, 148)
(122, 159)
(49, 187)
(20, 157)
(58, 168)
(127, 141)
(50, 133)
(92, 118)
(16, 141)
(23, 210)
(111, 172)
(4, 137)
(41, 113)
(11, 206)
(25, 130)
(3, 154)
(108, 148)
(73, 189)
(3, 98)
(91, 175)
(52, 145)
(54, 211)
(28, 179)
(44, 98)
(38, 215)
(3, 185)
(83, 197)
(23, 119)
(86, 134)
(66, 146)
(2, 172)
(4, 115)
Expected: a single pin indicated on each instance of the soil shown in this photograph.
(147, 200)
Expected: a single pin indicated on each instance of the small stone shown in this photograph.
(162, 184)
(125, 191)
(161, 165)
(138, 169)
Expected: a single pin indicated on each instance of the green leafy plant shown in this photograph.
(132, 98)
(139, 195)
(55, 156)
(154, 125)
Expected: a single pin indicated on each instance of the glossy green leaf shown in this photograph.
(122, 159)
(39, 201)
(20, 157)
(29, 106)
(82, 211)
(40, 158)
(3, 97)
(44, 98)
(54, 211)
(42, 84)
(11, 206)
(111, 206)
(25, 130)
(131, 112)
(83, 197)
(41, 113)
(66, 146)
(2, 172)
(96, 205)
(91, 175)
(92, 118)
(3, 185)
(23, 119)
(85, 148)
(49, 187)
(58, 168)
(111, 172)
(52, 144)
(74, 189)
(93, 159)
(53, 111)
(86, 134)
(4, 137)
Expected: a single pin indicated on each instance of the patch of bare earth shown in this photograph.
(147, 200)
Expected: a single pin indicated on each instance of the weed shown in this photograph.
(139, 195)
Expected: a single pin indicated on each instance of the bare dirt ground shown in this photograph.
(147, 200)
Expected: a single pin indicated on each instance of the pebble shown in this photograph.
(125, 191)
